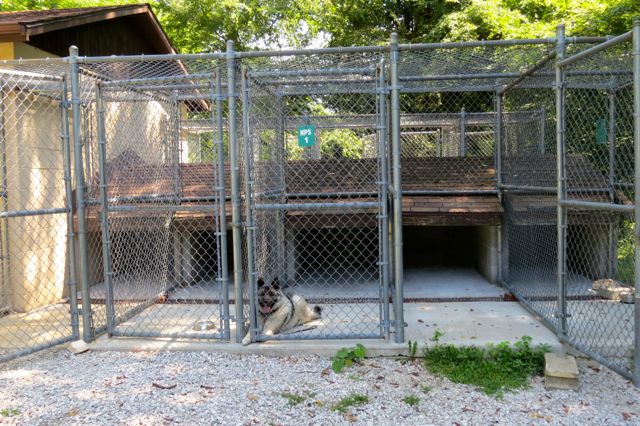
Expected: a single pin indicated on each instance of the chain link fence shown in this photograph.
(313, 179)
(128, 173)
(37, 277)
(569, 197)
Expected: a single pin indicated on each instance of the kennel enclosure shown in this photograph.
(158, 189)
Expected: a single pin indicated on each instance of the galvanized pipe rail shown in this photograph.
(561, 172)
(636, 144)
(223, 257)
(68, 200)
(87, 318)
(104, 212)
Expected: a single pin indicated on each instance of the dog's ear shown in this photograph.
(260, 282)
(275, 283)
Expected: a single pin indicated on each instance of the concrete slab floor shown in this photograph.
(463, 323)
(420, 284)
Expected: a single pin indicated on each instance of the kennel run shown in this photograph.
(146, 195)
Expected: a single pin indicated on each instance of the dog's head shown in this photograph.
(268, 295)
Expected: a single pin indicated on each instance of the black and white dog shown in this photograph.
(279, 311)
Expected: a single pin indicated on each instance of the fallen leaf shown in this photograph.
(73, 412)
(467, 409)
(161, 386)
(350, 417)
(326, 371)
(252, 397)
(627, 416)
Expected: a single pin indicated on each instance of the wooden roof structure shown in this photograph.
(133, 29)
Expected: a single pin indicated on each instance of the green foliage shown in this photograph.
(495, 369)
(296, 399)
(9, 412)
(411, 400)
(436, 336)
(626, 253)
(198, 26)
(425, 388)
(413, 349)
(341, 143)
(345, 357)
(350, 401)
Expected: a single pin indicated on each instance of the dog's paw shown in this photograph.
(268, 333)
(246, 340)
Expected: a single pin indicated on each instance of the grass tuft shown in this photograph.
(9, 412)
(411, 400)
(350, 401)
(495, 369)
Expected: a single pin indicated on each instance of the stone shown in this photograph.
(78, 347)
(613, 290)
(560, 371)
(560, 365)
(560, 383)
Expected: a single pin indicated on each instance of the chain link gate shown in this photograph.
(316, 189)
(570, 206)
(161, 206)
(37, 277)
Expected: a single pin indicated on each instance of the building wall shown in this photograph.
(487, 252)
(36, 243)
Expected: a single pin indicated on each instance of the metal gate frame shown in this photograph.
(110, 207)
(252, 206)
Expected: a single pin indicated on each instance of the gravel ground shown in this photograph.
(56, 387)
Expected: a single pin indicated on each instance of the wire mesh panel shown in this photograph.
(528, 176)
(447, 141)
(37, 309)
(599, 163)
(313, 180)
(164, 198)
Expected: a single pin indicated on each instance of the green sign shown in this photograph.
(602, 133)
(306, 136)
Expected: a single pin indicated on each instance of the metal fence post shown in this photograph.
(397, 189)
(222, 210)
(235, 191)
(87, 324)
(68, 199)
(4, 201)
(248, 185)
(561, 183)
(498, 160)
(612, 243)
(463, 133)
(636, 141)
(383, 196)
(104, 210)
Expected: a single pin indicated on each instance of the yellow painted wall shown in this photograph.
(16, 50)
(6, 51)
